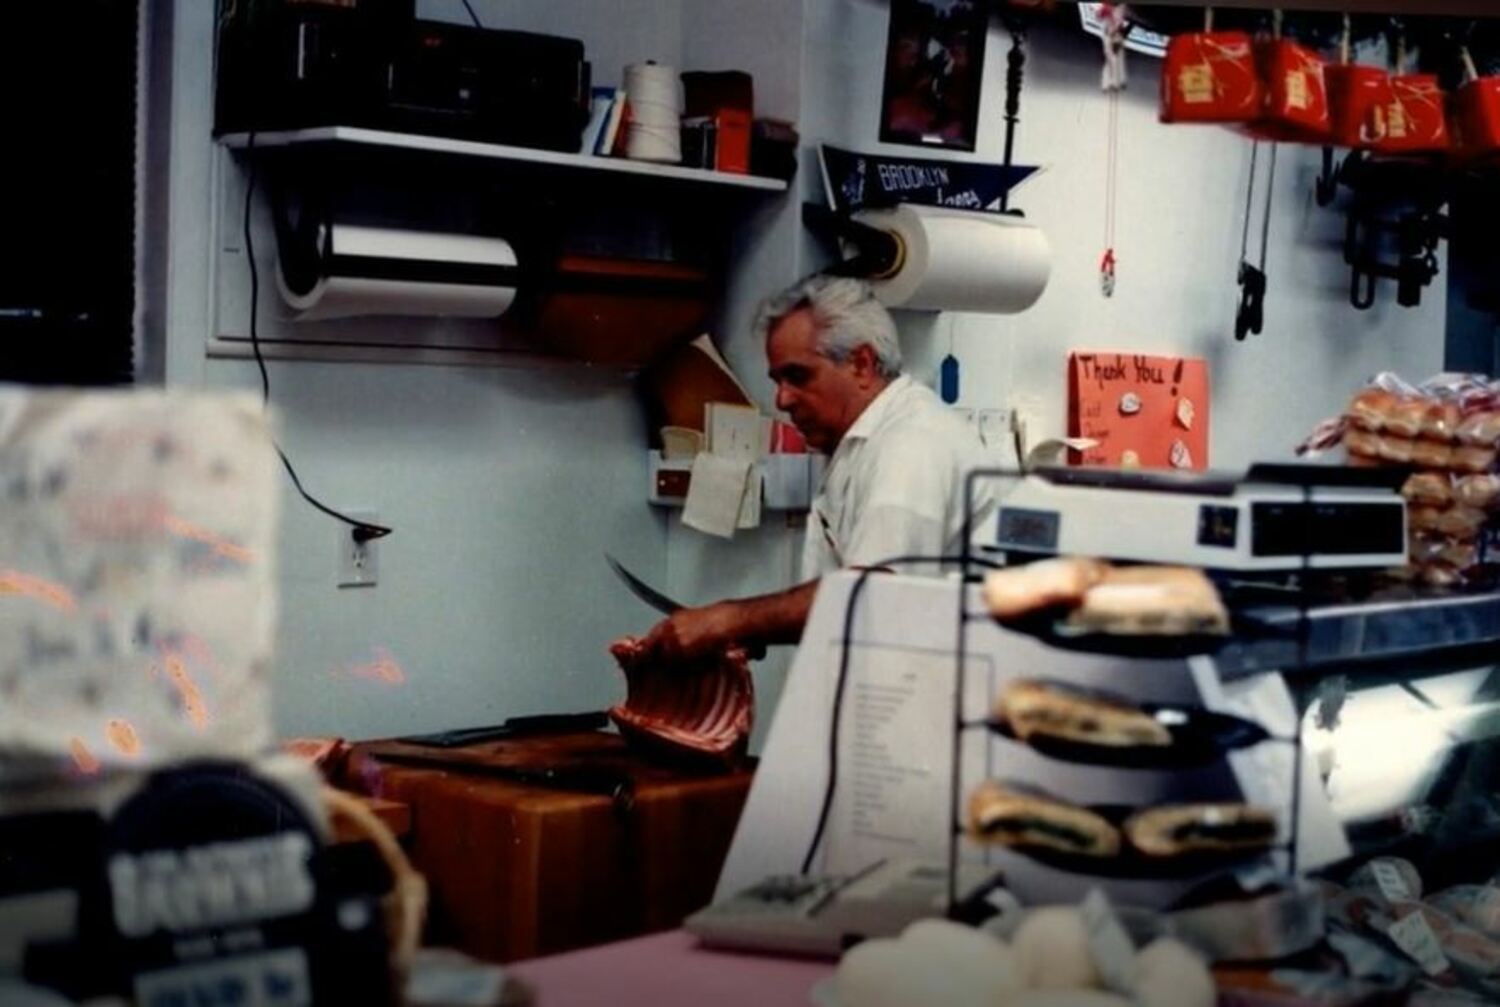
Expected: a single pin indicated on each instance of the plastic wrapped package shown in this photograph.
(1398, 449)
(1473, 458)
(1434, 489)
(1362, 443)
(1480, 429)
(1449, 428)
(1481, 491)
(1432, 454)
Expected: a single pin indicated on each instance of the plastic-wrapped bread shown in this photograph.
(1434, 489)
(1396, 448)
(1362, 443)
(1441, 420)
(1369, 409)
(1460, 523)
(1423, 519)
(1019, 591)
(1431, 454)
(1405, 417)
(1459, 555)
(1152, 600)
(1473, 458)
(1425, 547)
(1480, 429)
(1481, 491)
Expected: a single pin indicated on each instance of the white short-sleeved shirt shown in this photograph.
(895, 484)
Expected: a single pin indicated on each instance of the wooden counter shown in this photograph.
(519, 869)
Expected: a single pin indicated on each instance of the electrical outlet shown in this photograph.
(994, 427)
(359, 562)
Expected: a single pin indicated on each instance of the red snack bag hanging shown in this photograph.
(1357, 97)
(1296, 93)
(1357, 100)
(1476, 111)
(1210, 76)
(1416, 117)
(1477, 115)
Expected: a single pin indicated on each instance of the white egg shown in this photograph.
(1052, 950)
(1172, 975)
(889, 973)
(966, 948)
(1070, 998)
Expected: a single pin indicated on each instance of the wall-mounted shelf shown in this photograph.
(499, 152)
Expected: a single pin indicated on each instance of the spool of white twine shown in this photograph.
(655, 98)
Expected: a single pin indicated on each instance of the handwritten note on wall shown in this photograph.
(137, 538)
(1143, 411)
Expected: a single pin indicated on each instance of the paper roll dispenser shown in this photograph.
(941, 259)
(328, 270)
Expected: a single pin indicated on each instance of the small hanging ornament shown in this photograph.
(1115, 20)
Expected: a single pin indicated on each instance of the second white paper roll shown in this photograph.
(962, 260)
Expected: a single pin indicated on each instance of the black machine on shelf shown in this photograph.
(372, 63)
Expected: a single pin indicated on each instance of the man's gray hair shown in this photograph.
(846, 315)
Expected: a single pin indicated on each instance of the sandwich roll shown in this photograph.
(1405, 417)
(1460, 523)
(1434, 489)
(1441, 420)
(1480, 430)
(1022, 590)
(1002, 816)
(1397, 448)
(1369, 409)
(1051, 710)
(1362, 443)
(1473, 458)
(1201, 828)
(1482, 491)
(1153, 601)
(1432, 454)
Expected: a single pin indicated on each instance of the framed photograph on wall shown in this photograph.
(934, 66)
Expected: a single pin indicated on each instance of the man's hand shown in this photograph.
(692, 634)
(697, 634)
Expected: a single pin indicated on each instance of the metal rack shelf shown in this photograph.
(1411, 629)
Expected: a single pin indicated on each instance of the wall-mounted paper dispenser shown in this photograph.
(345, 270)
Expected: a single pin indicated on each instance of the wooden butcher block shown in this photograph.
(525, 868)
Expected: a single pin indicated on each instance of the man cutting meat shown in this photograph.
(894, 484)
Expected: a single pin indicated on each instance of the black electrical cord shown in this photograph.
(363, 530)
(843, 680)
(474, 17)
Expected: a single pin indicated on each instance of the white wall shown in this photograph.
(505, 486)
(493, 596)
(1181, 207)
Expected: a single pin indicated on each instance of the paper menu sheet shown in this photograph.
(895, 759)
(137, 553)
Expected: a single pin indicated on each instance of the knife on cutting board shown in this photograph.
(645, 592)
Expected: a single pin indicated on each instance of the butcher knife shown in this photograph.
(645, 592)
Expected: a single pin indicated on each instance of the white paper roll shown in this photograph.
(380, 271)
(962, 260)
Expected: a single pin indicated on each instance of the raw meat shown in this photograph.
(704, 710)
